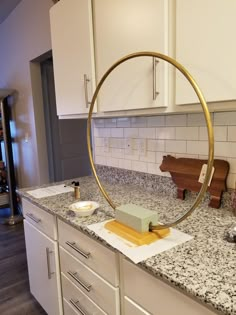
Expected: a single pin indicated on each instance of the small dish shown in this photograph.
(84, 208)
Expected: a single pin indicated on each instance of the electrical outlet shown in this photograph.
(106, 145)
(142, 146)
(203, 174)
(128, 146)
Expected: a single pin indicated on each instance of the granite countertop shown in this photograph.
(204, 267)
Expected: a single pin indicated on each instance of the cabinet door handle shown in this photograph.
(77, 249)
(74, 275)
(78, 307)
(155, 61)
(48, 252)
(86, 81)
(32, 217)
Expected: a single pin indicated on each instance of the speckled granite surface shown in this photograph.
(204, 268)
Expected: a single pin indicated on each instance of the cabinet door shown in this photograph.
(72, 46)
(43, 269)
(204, 46)
(123, 27)
(156, 296)
(132, 308)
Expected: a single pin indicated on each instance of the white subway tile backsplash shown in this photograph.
(134, 144)
(177, 146)
(147, 133)
(117, 153)
(165, 133)
(153, 168)
(99, 142)
(205, 157)
(138, 122)
(160, 145)
(185, 155)
(126, 164)
(98, 123)
(117, 143)
(139, 166)
(101, 160)
(156, 121)
(225, 149)
(182, 135)
(231, 181)
(176, 120)
(123, 122)
(131, 132)
(114, 162)
(231, 133)
(187, 133)
(225, 118)
(232, 163)
(134, 156)
(149, 157)
(151, 145)
(220, 133)
(117, 132)
(197, 147)
(155, 145)
(102, 132)
(100, 151)
(110, 122)
(196, 119)
(159, 157)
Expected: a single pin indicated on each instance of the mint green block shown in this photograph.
(136, 217)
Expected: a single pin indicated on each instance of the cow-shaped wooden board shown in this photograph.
(185, 174)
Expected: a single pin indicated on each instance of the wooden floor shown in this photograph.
(15, 297)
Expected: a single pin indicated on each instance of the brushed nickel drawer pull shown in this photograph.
(48, 252)
(74, 275)
(32, 217)
(77, 249)
(78, 307)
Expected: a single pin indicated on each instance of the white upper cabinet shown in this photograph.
(73, 55)
(123, 27)
(205, 45)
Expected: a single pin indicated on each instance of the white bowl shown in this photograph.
(84, 208)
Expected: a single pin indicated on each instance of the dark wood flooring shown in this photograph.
(15, 297)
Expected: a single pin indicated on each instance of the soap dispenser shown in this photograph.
(76, 190)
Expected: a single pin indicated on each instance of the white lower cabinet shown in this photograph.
(89, 282)
(68, 308)
(89, 273)
(131, 308)
(43, 268)
(76, 301)
(90, 278)
(155, 296)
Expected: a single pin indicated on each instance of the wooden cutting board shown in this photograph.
(185, 174)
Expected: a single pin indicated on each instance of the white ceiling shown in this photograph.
(6, 6)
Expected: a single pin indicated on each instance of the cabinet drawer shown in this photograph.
(68, 309)
(132, 308)
(41, 219)
(72, 294)
(90, 252)
(156, 296)
(96, 288)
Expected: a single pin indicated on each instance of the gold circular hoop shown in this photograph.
(207, 119)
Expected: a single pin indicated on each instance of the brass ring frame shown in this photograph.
(208, 123)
